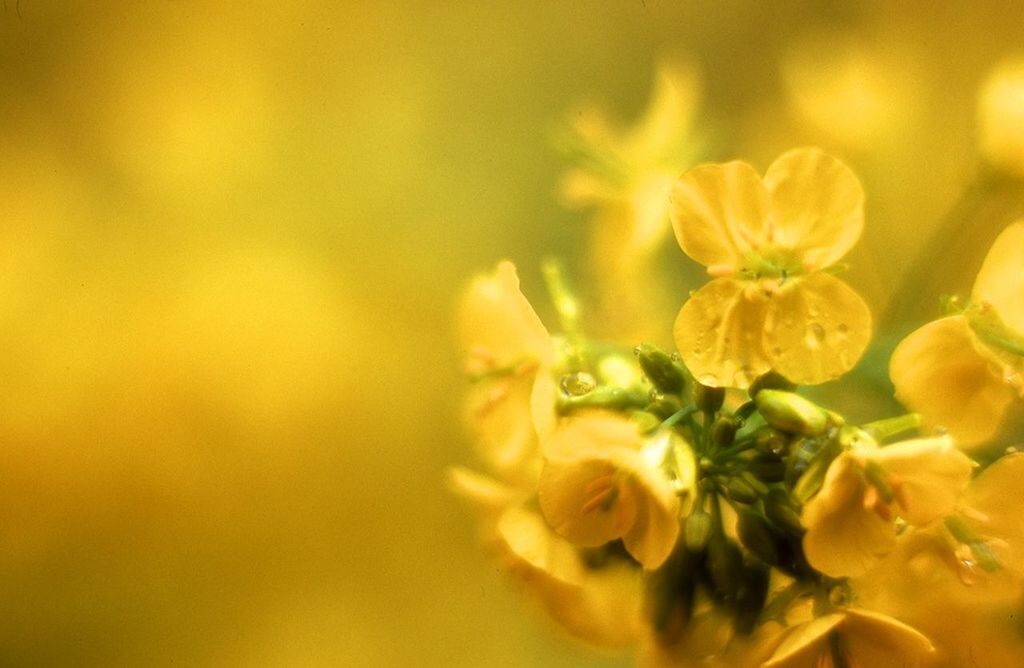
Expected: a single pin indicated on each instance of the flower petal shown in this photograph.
(880, 641)
(993, 494)
(817, 328)
(843, 537)
(817, 206)
(718, 213)
(498, 411)
(656, 529)
(803, 643)
(497, 325)
(1001, 279)
(587, 501)
(718, 334)
(931, 474)
(940, 374)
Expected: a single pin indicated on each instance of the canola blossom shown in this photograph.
(702, 504)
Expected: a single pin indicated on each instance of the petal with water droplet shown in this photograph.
(718, 334)
(810, 349)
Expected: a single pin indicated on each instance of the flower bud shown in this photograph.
(723, 430)
(769, 440)
(740, 490)
(767, 468)
(725, 563)
(757, 536)
(751, 596)
(770, 381)
(664, 406)
(780, 510)
(791, 413)
(665, 374)
(708, 399)
(697, 530)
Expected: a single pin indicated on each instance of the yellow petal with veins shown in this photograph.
(816, 206)
(844, 538)
(929, 474)
(1000, 282)
(817, 328)
(718, 213)
(718, 333)
(939, 373)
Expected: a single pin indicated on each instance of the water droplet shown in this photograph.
(577, 384)
(776, 351)
(843, 328)
(708, 379)
(818, 331)
(967, 570)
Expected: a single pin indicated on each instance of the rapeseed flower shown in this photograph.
(602, 481)
(851, 521)
(766, 242)
(964, 371)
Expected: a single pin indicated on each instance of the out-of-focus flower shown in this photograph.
(623, 175)
(627, 174)
(598, 604)
(854, 94)
(508, 353)
(851, 637)
(964, 371)
(1001, 117)
(602, 481)
(766, 241)
(710, 642)
(851, 521)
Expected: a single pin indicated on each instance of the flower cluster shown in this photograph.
(698, 504)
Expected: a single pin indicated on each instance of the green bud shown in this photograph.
(605, 396)
(646, 423)
(813, 476)
(770, 440)
(740, 490)
(751, 596)
(770, 381)
(767, 468)
(708, 399)
(697, 530)
(780, 510)
(670, 593)
(757, 536)
(723, 430)
(664, 373)
(664, 406)
(791, 412)
(725, 563)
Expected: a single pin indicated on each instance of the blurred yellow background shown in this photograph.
(231, 238)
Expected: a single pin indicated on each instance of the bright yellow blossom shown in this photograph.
(964, 371)
(1001, 116)
(508, 353)
(851, 521)
(765, 242)
(602, 481)
(601, 606)
(851, 638)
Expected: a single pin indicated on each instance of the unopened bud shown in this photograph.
(751, 596)
(767, 468)
(664, 373)
(791, 413)
(723, 430)
(740, 490)
(756, 535)
(697, 531)
(725, 563)
(780, 510)
(708, 399)
(664, 406)
(770, 381)
(770, 441)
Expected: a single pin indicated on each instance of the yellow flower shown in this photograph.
(508, 353)
(964, 371)
(627, 174)
(600, 605)
(851, 521)
(1001, 117)
(602, 481)
(851, 638)
(766, 241)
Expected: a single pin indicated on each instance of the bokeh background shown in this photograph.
(231, 240)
